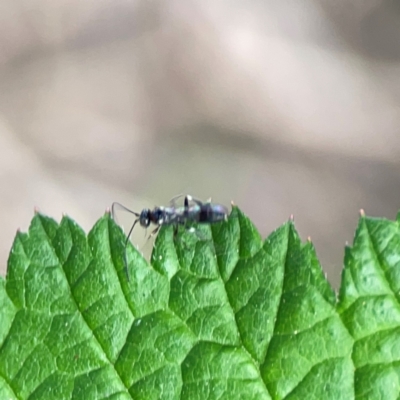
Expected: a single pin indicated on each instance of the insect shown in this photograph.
(193, 211)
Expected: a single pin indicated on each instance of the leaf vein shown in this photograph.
(377, 254)
(81, 312)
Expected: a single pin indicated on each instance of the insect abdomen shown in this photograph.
(210, 213)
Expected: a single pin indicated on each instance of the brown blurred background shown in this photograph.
(285, 107)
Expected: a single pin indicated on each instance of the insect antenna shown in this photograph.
(126, 245)
(119, 205)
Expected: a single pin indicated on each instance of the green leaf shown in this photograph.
(369, 307)
(219, 314)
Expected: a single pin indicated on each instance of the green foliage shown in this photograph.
(215, 315)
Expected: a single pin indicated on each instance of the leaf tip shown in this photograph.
(309, 239)
(36, 210)
(362, 213)
(232, 203)
(291, 218)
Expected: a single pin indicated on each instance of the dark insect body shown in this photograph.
(193, 211)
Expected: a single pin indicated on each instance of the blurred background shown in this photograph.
(284, 107)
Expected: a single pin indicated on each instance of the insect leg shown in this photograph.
(186, 208)
(176, 229)
(185, 222)
(153, 232)
(188, 198)
(173, 200)
(193, 199)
